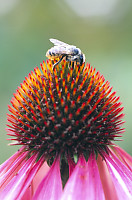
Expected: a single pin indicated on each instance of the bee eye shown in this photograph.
(76, 51)
(50, 53)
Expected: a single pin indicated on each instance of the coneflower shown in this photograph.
(66, 120)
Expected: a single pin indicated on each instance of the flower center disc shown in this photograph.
(66, 110)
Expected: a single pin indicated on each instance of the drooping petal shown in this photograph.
(106, 180)
(95, 189)
(42, 172)
(11, 169)
(28, 182)
(126, 158)
(50, 187)
(84, 182)
(28, 194)
(6, 165)
(14, 187)
(123, 167)
(121, 179)
(76, 187)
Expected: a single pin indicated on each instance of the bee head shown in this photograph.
(76, 51)
(82, 58)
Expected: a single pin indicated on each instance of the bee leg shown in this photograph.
(70, 64)
(73, 63)
(52, 62)
(69, 61)
(58, 61)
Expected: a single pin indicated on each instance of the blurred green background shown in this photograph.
(101, 29)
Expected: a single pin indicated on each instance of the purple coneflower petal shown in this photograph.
(76, 187)
(28, 182)
(6, 165)
(10, 168)
(14, 187)
(125, 157)
(123, 167)
(50, 187)
(108, 186)
(42, 172)
(94, 187)
(84, 182)
(122, 178)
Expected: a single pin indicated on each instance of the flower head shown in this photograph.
(68, 110)
(69, 117)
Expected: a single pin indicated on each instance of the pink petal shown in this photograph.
(75, 188)
(28, 182)
(27, 195)
(13, 189)
(51, 187)
(6, 165)
(95, 190)
(11, 169)
(40, 175)
(121, 165)
(107, 183)
(122, 183)
(84, 183)
(126, 158)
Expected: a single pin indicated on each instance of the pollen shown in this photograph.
(70, 104)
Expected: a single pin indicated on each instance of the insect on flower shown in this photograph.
(62, 50)
(66, 121)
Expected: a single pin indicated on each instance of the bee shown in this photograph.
(62, 50)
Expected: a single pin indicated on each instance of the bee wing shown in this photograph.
(59, 43)
(59, 51)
